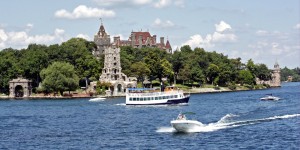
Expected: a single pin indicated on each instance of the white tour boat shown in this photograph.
(270, 97)
(146, 96)
(182, 124)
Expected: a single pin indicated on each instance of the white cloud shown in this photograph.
(219, 37)
(198, 41)
(211, 40)
(162, 3)
(83, 11)
(297, 26)
(179, 3)
(141, 2)
(222, 26)
(261, 33)
(84, 36)
(163, 24)
(109, 2)
(59, 32)
(21, 39)
(3, 35)
(122, 3)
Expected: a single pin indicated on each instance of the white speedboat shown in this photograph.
(182, 124)
(146, 96)
(97, 99)
(270, 97)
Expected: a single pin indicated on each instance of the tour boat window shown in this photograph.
(156, 98)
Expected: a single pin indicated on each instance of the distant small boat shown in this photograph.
(97, 99)
(182, 124)
(270, 97)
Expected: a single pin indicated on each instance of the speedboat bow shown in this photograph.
(97, 99)
(270, 97)
(182, 124)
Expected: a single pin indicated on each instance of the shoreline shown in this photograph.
(191, 91)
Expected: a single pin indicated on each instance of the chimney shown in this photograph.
(117, 40)
(140, 40)
(154, 39)
(132, 39)
(162, 41)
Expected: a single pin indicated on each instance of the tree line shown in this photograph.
(191, 67)
(70, 65)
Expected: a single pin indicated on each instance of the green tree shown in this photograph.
(245, 77)
(262, 72)
(212, 72)
(9, 67)
(33, 60)
(59, 76)
(177, 61)
(157, 63)
(251, 66)
(140, 70)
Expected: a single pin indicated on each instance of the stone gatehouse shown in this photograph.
(20, 87)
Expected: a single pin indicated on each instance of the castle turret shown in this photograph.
(275, 82)
(112, 71)
(102, 40)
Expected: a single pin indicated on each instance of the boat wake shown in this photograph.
(121, 104)
(227, 122)
(98, 99)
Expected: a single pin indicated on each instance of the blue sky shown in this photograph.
(261, 30)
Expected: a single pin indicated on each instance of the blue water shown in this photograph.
(233, 120)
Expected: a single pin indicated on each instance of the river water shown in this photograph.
(233, 120)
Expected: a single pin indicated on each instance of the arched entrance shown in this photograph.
(20, 88)
(19, 92)
(119, 88)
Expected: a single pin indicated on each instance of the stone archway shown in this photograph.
(20, 87)
(119, 87)
(19, 91)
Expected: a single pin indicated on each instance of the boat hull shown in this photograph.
(270, 98)
(164, 102)
(186, 125)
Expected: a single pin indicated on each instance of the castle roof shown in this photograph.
(146, 37)
(168, 45)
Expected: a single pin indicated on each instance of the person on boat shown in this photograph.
(181, 117)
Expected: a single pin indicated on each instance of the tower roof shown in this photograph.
(101, 31)
(168, 45)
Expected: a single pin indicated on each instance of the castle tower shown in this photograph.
(112, 71)
(275, 82)
(112, 66)
(102, 40)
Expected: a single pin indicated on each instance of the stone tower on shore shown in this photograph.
(112, 71)
(275, 77)
(275, 81)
